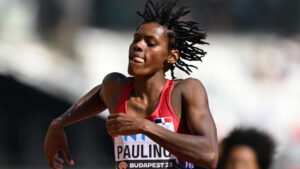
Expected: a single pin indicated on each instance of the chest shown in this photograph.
(123, 101)
(163, 104)
(142, 109)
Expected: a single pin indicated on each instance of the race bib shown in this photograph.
(139, 151)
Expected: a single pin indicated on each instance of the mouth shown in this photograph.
(136, 58)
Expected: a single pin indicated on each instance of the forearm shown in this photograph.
(88, 106)
(194, 148)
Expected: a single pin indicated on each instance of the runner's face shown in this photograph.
(148, 51)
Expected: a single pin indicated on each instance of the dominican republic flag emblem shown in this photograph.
(165, 122)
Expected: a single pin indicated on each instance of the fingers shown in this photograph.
(56, 163)
(58, 166)
(110, 121)
(117, 125)
(119, 119)
(113, 129)
(54, 160)
(58, 160)
(123, 124)
(51, 158)
(114, 119)
(119, 122)
(112, 116)
(68, 156)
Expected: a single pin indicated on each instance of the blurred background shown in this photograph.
(53, 52)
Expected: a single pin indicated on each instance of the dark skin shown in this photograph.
(149, 57)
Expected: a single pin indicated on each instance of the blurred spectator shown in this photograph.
(246, 149)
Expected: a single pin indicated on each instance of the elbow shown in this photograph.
(210, 160)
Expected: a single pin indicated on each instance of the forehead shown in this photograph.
(152, 29)
(244, 153)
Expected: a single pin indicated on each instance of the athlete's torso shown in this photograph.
(139, 151)
(114, 86)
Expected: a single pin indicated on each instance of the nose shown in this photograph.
(138, 46)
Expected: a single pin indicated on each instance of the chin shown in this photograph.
(130, 72)
(133, 72)
(136, 72)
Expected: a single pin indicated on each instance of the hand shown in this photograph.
(56, 141)
(124, 124)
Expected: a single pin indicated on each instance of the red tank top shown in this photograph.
(139, 151)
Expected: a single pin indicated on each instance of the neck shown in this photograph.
(149, 88)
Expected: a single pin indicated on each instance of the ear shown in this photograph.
(173, 56)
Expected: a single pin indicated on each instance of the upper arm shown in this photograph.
(199, 120)
(95, 101)
(111, 87)
(197, 114)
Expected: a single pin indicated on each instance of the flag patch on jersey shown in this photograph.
(165, 122)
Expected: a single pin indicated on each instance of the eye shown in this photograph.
(151, 44)
(135, 40)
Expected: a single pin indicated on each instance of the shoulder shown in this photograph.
(114, 82)
(191, 90)
(113, 78)
(189, 85)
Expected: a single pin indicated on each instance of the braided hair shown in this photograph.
(182, 35)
